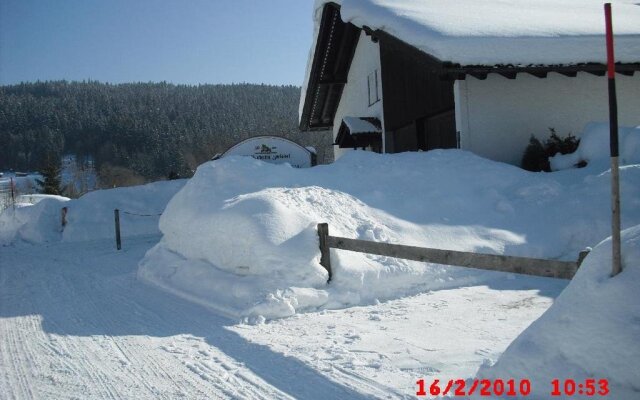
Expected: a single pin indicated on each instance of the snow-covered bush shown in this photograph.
(536, 155)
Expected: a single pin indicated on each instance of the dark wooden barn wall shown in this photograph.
(418, 104)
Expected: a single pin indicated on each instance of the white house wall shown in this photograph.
(497, 116)
(355, 97)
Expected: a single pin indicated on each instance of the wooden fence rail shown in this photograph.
(493, 262)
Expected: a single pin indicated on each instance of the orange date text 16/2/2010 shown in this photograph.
(510, 388)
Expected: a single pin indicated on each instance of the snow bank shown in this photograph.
(91, 216)
(36, 198)
(37, 223)
(591, 331)
(241, 236)
(594, 147)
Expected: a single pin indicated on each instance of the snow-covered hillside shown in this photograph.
(241, 236)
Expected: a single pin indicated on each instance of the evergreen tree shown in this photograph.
(51, 183)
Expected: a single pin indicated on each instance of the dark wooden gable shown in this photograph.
(336, 43)
(418, 104)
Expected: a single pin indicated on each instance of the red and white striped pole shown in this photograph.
(613, 141)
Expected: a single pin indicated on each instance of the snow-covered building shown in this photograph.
(401, 75)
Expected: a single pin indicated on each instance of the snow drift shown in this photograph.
(241, 236)
(591, 331)
(37, 223)
(91, 216)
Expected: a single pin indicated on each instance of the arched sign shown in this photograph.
(273, 149)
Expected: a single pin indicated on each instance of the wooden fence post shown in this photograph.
(583, 254)
(63, 216)
(325, 255)
(13, 194)
(116, 214)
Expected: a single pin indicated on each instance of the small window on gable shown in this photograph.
(373, 87)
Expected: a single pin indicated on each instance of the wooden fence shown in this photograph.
(492, 262)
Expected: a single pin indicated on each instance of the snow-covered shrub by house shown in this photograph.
(536, 155)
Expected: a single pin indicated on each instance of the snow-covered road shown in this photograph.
(75, 323)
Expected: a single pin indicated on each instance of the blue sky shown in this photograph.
(179, 41)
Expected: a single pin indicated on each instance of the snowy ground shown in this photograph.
(76, 323)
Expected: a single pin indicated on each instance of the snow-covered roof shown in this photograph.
(497, 32)
(358, 125)
(518, 32)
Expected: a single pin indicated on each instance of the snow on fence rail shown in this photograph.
(493, 262)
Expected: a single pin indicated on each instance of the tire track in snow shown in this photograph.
(105, 336)
(199, 379)
(16, 355)
(15, 358)
(46, 300)
(100, 322)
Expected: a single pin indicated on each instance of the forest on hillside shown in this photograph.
(149, 130)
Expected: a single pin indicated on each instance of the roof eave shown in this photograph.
(335, 46)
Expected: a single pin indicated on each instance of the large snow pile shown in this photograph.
(594, 147)
(591, 331)
(91, 216)
(241, 236)
(33, 223)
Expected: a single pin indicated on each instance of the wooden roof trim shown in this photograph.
(451, 71)
(312, 95)
(335, 47)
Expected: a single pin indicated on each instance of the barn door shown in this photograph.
(437, 131)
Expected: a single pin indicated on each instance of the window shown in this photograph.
(372, 86)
